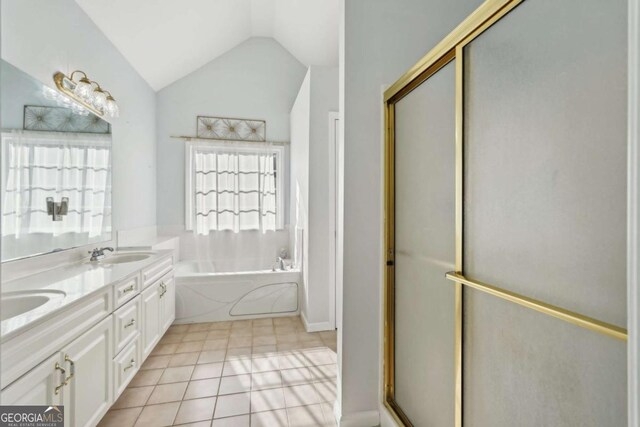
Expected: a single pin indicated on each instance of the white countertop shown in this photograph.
(72, 282)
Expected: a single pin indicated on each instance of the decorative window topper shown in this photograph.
(231, 129)
(61, 119)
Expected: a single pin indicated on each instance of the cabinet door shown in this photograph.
(38, 386)
(168, 303)
(89, 392)
(150, 318)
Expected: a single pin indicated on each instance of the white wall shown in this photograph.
(300, 135)
(310, 189)
(381, 40)
(258, 79)
(41, 37)
(324, 98)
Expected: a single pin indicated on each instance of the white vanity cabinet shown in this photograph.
(89, 392)
(150, 318)
(78, 377)
(125, 366)
(40, 386)
(168, 302)
(158, 311)
(86, 355)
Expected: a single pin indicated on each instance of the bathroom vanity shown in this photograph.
(84, 331)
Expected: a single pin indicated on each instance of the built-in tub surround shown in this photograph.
(76, 281)
(209, 291)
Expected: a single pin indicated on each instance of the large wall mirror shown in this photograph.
(56, 169)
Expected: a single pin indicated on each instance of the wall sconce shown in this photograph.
(57, 210)
(87, 93)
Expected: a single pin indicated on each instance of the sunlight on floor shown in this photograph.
(263, 372)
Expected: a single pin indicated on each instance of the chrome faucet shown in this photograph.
(97, 254)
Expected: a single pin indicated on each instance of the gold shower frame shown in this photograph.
(449, 49)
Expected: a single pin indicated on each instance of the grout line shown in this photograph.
(295, 348)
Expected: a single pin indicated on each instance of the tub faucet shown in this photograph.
(96, 254)
(279, 263)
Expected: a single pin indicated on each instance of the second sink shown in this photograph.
(121, 258)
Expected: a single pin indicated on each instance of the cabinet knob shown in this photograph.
(131, 323)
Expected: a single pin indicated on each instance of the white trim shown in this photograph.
(386, 419)
(360, 419)
(188, 186)
(336, 176)
(337, 408)
(314, 327)
(236, 147)
(633, 215)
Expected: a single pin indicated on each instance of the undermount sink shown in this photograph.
(13, 304)
(123, 258)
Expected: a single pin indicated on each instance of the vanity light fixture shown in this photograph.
(88, 93)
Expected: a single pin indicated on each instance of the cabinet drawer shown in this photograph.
(126, 290)
(125, 366)
(126, 324)
(156, 271)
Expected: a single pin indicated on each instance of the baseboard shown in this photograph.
(386, 419)
(360, 419)
(315, 327)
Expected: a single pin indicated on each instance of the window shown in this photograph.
(234, 186)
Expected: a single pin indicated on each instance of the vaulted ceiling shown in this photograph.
(165, 40)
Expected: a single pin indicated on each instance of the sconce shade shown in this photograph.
(112, 108)
(99, 99)
(83, 89)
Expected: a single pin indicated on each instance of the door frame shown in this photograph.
(633, 216)
(336, 189)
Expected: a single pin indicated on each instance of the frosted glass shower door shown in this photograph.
(425, 250)
(545, 214)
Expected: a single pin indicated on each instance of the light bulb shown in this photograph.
(112, 108)
(83, 89)
(99, 99)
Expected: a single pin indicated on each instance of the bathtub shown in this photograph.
(207, 291)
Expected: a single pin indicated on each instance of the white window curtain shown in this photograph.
(38, 165)
(235, 189)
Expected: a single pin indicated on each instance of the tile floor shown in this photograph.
(258, 373)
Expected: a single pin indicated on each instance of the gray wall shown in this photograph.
(382, 39)
(258, 79)
(18, 89)
(41, 37)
